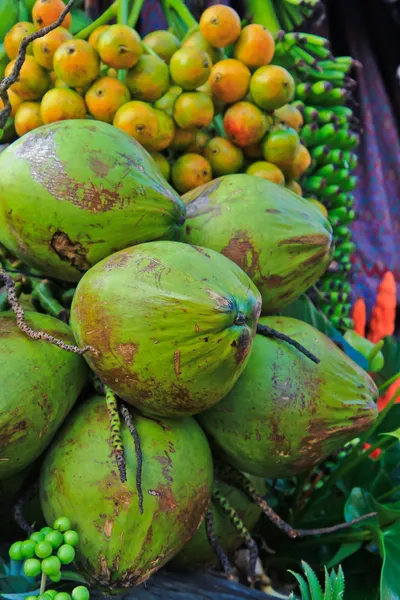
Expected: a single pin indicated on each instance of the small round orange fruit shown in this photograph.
(199, 143)
(255, 46)
(27, 117)
(189, 171)
(162, 164)
(33, 80)
(193, 109)
(45, 47)
(105, 96)
(245, 123)
(46, 12)
(289, 115)
(60, 104)
(139, 120)
(293, 186)
(196, 40)
(182, 139)
(15, 102)
(190, 68)
(220, 25)
(14, 37)
(223, 156)
(94, 37)
(230, 80)
(76, 63)
(148, 80)
(272, 87)
(165, 131)
(299, 163)
(120, 47)
(268, 171)
(164, 43)
(280, 147)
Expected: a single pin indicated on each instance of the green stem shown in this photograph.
(263, 12)
(389, 382)
(105, 18)
(377, 348)
(149, 50)
(43, 584)
(184, 13)
(135, 13)
(123, 12)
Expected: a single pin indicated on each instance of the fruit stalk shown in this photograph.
(105, 18)
(263, 13)
(135, 13)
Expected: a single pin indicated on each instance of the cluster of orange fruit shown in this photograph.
(200, 113)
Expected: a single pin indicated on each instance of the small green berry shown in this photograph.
(51, 565)
(45, 596)
(15, 551)
(28, 548)
(62, 596)
(66, 554)
(80, 593)
(62, 524)
(43, 549)
(32, 567)
(51, 593)
(31, 598)
(55, 538)
(37, 537)
(56, 578)
(71, 537)
(45, 531)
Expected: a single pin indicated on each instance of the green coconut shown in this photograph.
(74, 192)
(197, 554)
(39, 384)
(286, 414)
(282, 241)
(119, 547)
(172, 325)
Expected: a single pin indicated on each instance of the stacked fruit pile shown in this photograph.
(196, 109)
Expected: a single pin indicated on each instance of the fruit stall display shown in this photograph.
(176, 322)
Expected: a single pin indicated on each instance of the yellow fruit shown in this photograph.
(60, 104)
(120, 47)
(33, 80)
(193, 109)
(289, 115)
(14, 37)
(267, 171)
(223, 156)
(105, 97)
(139, 120)
(164, 43)
(294, 187)
(220, 25)
(95, 35)
(280, 147)
(182, 139)
(196, 40)
(162, 164)
(255, 46)
(76, 63)
(45, 47)
(272, 87)
(230, 80)
(299, 164)
(190, 68)
(15, 102)
(199, 143)
(148, 80)
(27, 117)
(46, 12)
(190, 171)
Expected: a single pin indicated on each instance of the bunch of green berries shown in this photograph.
(44, 553)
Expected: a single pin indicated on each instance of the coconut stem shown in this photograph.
(242, 530)
(139, 458)
(115, 427)
(244, 483)
(7, 82)
(215, 545)
(272, 333)
(19, 507)
(16, 307)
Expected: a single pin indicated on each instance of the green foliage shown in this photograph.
(310, 587)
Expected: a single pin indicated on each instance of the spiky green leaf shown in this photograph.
(315, 588)
(328, 595)
(305, 593)
(338, 590)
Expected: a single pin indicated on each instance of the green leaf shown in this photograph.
(305, 594)
(328, 594)
(390, 422)
(344, 551)
(315, 588)
(395, 433)
(338, 590)
(390, 576)
(359, 503)
(391, 354)
(72, 576)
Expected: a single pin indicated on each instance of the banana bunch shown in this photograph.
(282, 14)
(331, 133)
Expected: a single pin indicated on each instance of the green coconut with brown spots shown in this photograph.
(198, 554)
(171, 325)
(39, 384)
(119, 547)
(286, 414)
(282, 241)
(74, 192)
